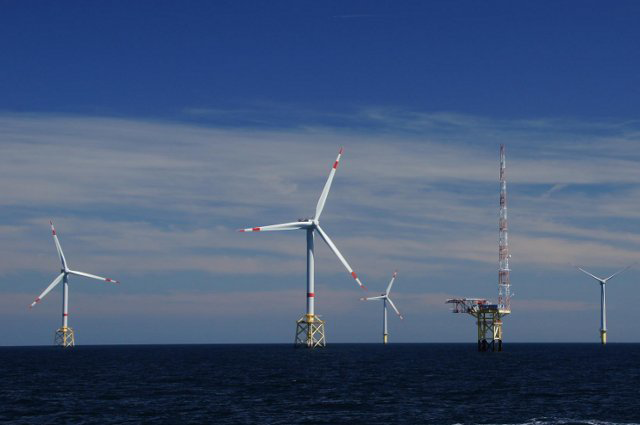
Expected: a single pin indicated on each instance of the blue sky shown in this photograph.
(151, 131)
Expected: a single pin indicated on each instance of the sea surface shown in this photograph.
(340, 384)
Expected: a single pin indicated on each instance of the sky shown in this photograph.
(150, 131)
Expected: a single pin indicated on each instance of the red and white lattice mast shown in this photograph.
(488, 315)
(504, 283)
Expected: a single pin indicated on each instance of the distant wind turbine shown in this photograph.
(385, 298)
(64, 336)
(310, 329)
(603, 299)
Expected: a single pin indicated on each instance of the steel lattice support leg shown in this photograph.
(489, 331)
(309, 332)
(497, 334)
(64, 338)
(483, 343)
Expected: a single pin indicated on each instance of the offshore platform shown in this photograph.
(488, 315)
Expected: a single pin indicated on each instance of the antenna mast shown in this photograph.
(488, 315)
(504, 282)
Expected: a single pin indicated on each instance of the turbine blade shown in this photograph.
(92, 276)
(49, 288)
(333, 248)
(393, 278)
(589, 274)
(58, 247)
(394, 307)
(274, 227)
(373, 298)
(327, 187)
(620, 271)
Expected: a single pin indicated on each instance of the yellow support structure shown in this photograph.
(310, 332)
(64, 338)
(489, 321)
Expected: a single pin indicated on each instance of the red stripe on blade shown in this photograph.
(255, 229)
(335, 165)
(310, 294)
(108, 280)
(65, 314)
(354, 275)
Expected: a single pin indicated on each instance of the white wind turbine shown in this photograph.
(385, 298)
(310, 329)
(64, 336)
(603, 299)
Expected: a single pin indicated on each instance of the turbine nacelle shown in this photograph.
(308, 221)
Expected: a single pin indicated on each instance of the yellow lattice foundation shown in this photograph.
(310, 332)
(64, 338)
(489, 330)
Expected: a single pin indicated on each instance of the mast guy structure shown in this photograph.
(488, 315)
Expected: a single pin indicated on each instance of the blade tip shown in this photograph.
(341, 150)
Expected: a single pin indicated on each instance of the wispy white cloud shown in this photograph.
(415, 191)
(544, 305)
(239, 177)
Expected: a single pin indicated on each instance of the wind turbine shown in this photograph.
(385, 298)
(309, 328)
(603, 300)
(64, 336)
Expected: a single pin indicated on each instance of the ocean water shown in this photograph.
(341, 384)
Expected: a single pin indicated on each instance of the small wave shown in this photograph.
(563, 421)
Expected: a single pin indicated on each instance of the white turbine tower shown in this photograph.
(603, 300)
(385, 298)
(64, 336)
(309, 328)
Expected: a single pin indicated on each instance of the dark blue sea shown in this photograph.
(341, 384)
